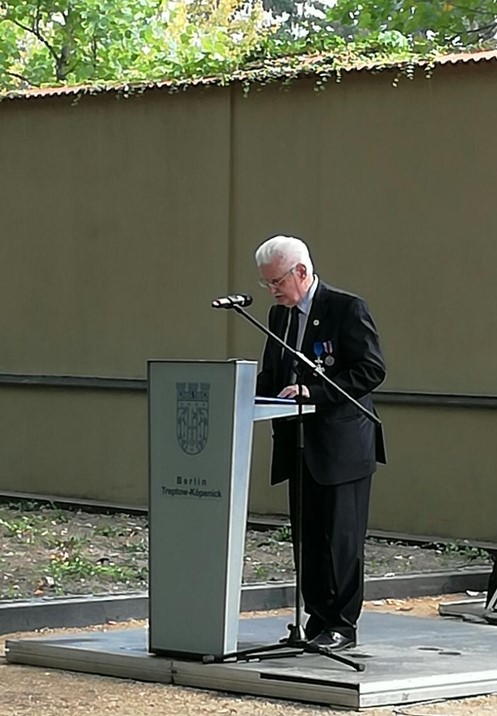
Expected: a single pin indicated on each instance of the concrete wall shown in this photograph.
(123, 219)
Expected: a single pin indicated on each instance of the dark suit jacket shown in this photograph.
(340, 443)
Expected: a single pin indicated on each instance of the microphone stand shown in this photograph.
(296, 642)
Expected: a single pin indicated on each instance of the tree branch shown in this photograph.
(36, 23)
(21, 77)
(483, 28)
(492, 26)
(473, 10)
(37, 34)
(94, 50)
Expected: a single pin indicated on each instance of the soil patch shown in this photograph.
(47, 550)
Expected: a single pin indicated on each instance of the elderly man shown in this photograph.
(341, 445)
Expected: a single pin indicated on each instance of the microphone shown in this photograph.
(237, 299)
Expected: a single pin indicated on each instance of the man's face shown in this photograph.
(285, 281)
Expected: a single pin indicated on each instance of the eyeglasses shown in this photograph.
(276, 282)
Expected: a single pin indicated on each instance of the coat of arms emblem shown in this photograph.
(192, 416)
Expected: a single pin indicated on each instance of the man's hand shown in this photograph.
(292, 391)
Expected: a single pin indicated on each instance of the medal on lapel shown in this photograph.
(328, 349)
(318, 348)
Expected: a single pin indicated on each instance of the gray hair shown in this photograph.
(287, 248)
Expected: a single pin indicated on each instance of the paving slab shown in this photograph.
(407, 659)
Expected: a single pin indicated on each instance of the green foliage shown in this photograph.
(393, 30)
(464, 548)
(260, 572)
(95, 42)
(24, 528)
(76, 565)
(448, 23)
(282, 534)
(47, 42)
(109, 531)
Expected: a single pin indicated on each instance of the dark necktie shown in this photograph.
(291, 340)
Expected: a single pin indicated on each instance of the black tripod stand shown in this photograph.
(295, 643)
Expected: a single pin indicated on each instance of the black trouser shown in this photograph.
(492, 580)
(334, 523)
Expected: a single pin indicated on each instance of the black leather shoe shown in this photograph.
(333, 640)
(313, 626)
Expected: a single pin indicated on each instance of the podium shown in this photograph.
(200, 427)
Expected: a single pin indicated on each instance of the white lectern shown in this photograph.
(201, 416)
